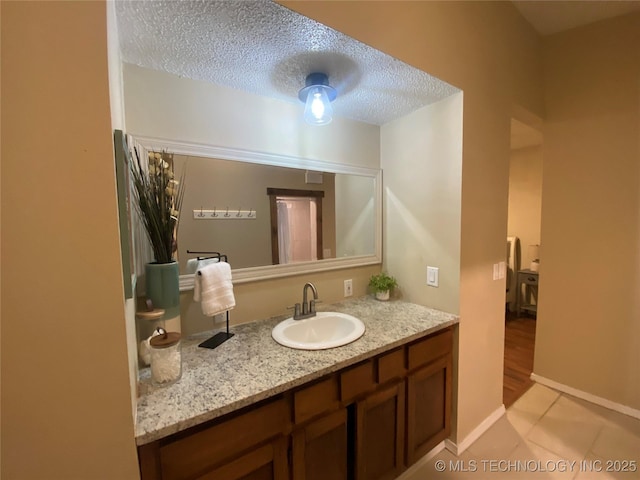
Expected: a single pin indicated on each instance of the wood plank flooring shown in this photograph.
(519, 337)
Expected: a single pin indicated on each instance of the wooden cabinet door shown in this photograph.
(202, 449)
(268, 462)
(380, 434)
(428, 407)
(320, 448)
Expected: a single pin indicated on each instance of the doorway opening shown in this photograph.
(296, 225)
(523, 246)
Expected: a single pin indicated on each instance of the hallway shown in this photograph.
(519, 338)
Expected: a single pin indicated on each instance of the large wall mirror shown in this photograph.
(273, 215)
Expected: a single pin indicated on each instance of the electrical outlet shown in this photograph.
(348, 288)
(432, 276)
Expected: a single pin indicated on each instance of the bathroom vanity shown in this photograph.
(253, 409)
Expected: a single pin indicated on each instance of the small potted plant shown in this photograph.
(381, 284)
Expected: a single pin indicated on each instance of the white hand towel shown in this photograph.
(214, 289)
(192, 265)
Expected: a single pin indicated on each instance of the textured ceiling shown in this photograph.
(264, 48)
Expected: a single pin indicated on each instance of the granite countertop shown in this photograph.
(251, 366)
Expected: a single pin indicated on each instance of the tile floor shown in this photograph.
(545, 435)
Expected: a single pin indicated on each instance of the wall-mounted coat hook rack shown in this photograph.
(225, 214)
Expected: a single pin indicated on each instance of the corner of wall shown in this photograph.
(421, 154)
(116, 100)
(116, 88)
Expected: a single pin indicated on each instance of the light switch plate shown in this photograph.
(502, 270)
(432, 276)
(496, 271)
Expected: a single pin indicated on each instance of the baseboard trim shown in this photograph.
(603, 402)
(476, 433)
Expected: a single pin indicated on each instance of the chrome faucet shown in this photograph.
(308, 307)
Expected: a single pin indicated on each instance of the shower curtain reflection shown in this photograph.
(297, 229)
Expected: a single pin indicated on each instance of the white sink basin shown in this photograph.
(325, 330)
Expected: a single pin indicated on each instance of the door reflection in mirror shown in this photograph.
(296, 226)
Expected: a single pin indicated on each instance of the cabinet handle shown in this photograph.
(532, 279)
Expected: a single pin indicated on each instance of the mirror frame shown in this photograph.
(266, 272)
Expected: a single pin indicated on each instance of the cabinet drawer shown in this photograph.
(315, 399)
(428, 349)
(391, 365)
(193, 454)
(356, 381)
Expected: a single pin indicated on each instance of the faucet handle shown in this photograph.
(296, 310)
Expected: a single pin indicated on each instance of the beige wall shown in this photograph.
(422, 163)
(259, 300)
(167, 106)
(525, 199)
(588, 334)
(493, 55)
(355, 216)
(66, 411)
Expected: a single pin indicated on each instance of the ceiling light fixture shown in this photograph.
(317, 96)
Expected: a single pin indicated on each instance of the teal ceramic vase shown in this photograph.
(163, 289)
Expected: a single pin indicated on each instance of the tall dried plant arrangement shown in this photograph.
(158, 198)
